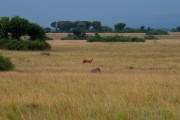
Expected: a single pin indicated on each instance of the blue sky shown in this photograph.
(152, 13)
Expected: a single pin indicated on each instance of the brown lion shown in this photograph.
(88, 60)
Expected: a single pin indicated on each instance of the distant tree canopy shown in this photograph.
(96, 26)
(65, 26)
(119, 27)
(106, 29)
(54, 25)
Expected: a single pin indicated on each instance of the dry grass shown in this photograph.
(172, 35)
(138, 81)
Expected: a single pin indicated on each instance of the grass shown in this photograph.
(138, 81)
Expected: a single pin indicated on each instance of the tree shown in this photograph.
(149, 29)
(97, 26)
(106, 29)
(47, 29)
(142, 28)
(4, 26)
(81, 25)
(18, 27)
(79, 32)
(119, 27)
(35, 32)
(65, 26)
(54, 25)
(88, 24)
(178, 28)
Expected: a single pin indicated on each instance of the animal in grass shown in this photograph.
(95, 70)
(88, 60)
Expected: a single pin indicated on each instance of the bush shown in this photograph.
(3, 42)
(150, 37)
(24, 45)
(5, 64)
(74, 37)
(38, 45)
(16, 45)
(157, 32)
(116, 38)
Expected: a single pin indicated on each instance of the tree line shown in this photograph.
(94, 26)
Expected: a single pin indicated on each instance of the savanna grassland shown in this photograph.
(139, 81)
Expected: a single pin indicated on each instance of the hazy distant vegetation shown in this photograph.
(115, 38)
(77, 29)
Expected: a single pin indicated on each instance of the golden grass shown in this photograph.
(172, 35)
(138, 81)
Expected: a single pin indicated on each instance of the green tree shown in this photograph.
(88, 24)
(178, 28)
(4, 26)
(35, 32)
(54, 25)
(97, 26)
(65, 26)
(106, 29)
(79, 32)
(119, 27)
(142, 28)
(18, 27)
(47, 29)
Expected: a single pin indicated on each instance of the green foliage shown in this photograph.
(24, 45)
(5, 64)
(54, 25)
(178, 28)
(79, 32)
(96, 26)
(119, 27)
(16, 45)
(116, 38)
(47, 29)
(38, 45)
(106, 29)
(74, 37)
(174, 30)
(65, 26)
(157, 32)
(4, 26)
(18, 27)
(35, 32)
(3, 42)
(142, 28)
(150, 37)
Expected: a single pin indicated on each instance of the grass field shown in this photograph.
(139, 81)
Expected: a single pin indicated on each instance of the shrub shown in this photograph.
(5, 64)
(157, 32)
(116, 38)
(16, 45)
(150, 37)
(38, 45)
(74, 37)
(3, 42)
(24, 45)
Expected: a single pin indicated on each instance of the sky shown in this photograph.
(135, 13)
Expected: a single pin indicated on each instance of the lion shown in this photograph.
(88, 60)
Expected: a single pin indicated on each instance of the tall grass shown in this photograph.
(60, 87)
